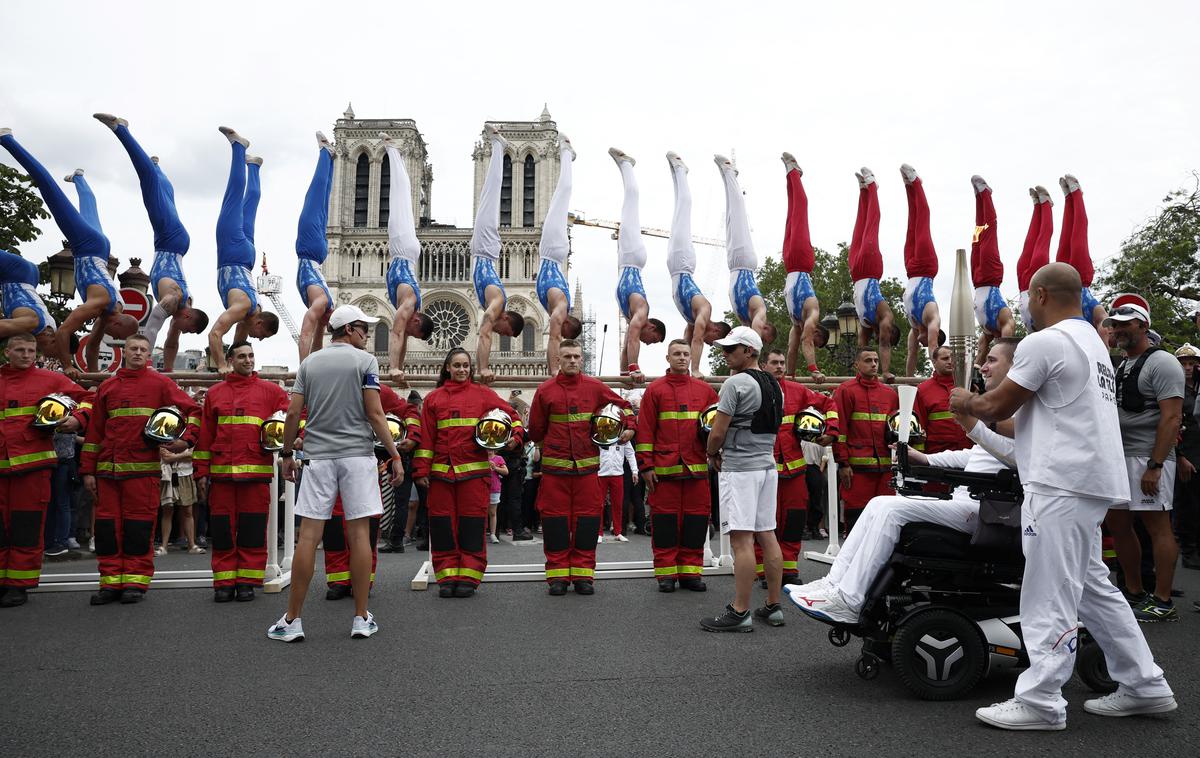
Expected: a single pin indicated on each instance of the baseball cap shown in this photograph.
(348, 314)
(1127, 307)
(741, 335)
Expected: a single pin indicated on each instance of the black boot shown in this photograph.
(446, 589)
(558, 587)
(693, 583)
(245, 593)
(130, 596)
(222, 594)
(106, 596)
(337, 591)
(585, 587)
(666, 584)
(464, 589)
(14, 597)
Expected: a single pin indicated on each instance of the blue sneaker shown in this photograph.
(285, 631)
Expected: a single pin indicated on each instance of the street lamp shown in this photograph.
(134, 277)
(831, 327)
(843, 335)
(62, 273)
(847, 316)
(113, 263)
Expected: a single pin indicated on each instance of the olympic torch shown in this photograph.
(962, 321)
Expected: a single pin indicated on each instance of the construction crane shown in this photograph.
(578, 217)
(269, 284)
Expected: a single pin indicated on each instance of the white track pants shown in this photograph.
(554, 243)
(485, 238)
(874, 536)
(739, 248)
(631, 251)
(1067, 583)
(681, 253)
(402, 229)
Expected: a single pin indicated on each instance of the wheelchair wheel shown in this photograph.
(1092, 669)
(939, 654)
(839, 637)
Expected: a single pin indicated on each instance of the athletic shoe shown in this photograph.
(619, 155)
(824, 534)
(56, 550)
(522, 536)
(254, 160)
(109, 120)
(772, 613)
(70, 178)
(729, 621)
(1071, 183)
(564, 143)
(909, 174)
(868, 176)
(1013, 714)
(1156, 610)
(160, 551)
(724, 163)
(674, 161)
(790, 164)
(1121, 703)
(1043, 195)
(286, 631)
(495, 540)
(600, 540)
(817, 586)
(363, 627)
(826, 605)
(621, 538)
(5, 131)
(979, 184)
(1135, 601)
(1196, 606)
(233, 136)
(72, 543)
(494, 135)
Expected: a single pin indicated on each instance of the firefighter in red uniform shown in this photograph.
(932, 407)
(672, 460)
(457, 473)
(230, 455)
(335, 540)
(26, 460)
(569, 500)
(791, 503)
(863, 458)
(121, 470)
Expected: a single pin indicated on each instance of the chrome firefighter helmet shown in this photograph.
(270, 434)
(706, 418)
(607, 425)
(494, 430)
(809, 425)
(396, 428)
(891, 433)
(164, 425)
(52, 410)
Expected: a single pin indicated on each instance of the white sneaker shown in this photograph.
(825, 605)
(821, 585)
(1121, 703)
(495, 540)
(908, 173)
(1013, 714)
(980, 184)
(363, 627)
(600, 540)
(622, 538)
(285, 632)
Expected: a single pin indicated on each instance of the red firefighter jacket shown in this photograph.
(668, 428)
(448, 417)
(114, 447)
(408, 413)
(789, 454)
(560, 418)
(932, 409)
(863, 407)
(23, 447)
(230, 446)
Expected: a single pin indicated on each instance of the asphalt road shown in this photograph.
(511, 671)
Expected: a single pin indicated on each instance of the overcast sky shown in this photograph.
(1019, 92)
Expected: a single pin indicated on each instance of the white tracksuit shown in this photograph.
(402, 228)
(554, 244)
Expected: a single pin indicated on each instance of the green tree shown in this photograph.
(1160, 262)
(20, 210)
(833, 285)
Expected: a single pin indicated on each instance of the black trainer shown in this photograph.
(337, 591)
(223, 595)
(771, 613)
(729, 621)
(446, 589)
(1155, 610)
(693, 584)
(558, 587)
(522, 535)
(244, 593)
(129, 596)
(1135, 600)
(14, 597)
(585, 587)
(464, 589)
(792, 579)
(666, 584)
(106, 596)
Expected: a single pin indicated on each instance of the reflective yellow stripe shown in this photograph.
(758, 568)
(668, 470)
(3, 573)
(338, 576)
(569, 418)
(472, 573)
(643, 448)
(22, 411)
(940, 416)
(21, 460)
(555, 573)
(242, 469)
(577, 571)
(841, 438)
(787, 420)
(790, 565)
(626, 412)
(136, 579)
(697, 467)
(567, 463)
(831, 413)
(868, 416)
(221, 576)
(517, 422)
(125, 467)
(466, 468)
(666, 570)
(193, 420)
(441, 468)
(85, 406)
(792, 465)
(130, 412)
(678, 415)
(690, 569)
(22, 574)
(115, 579)
(202, 455)
(412, 422)
(239, 420)
(448, 423)
(423, 454)
(870, 461)
(91, 447)
(251, 573)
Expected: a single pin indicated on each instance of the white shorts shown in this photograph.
(356, 479)
(1026, 316)
(1139, 501)
(493, 498)
(748, 500)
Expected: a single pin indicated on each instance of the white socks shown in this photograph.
(233, 136)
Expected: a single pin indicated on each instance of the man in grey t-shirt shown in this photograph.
(1150, 414)
(747, 479)
(340, 388)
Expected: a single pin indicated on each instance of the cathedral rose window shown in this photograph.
(450, 323)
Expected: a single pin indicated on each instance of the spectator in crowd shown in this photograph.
(499, 469)
(60, 517)
(635, 500)
(177, 494)
(1187, 454)
(1150, 389)
(814, 472)
(511, 486)
(613, 460)
(529, 488)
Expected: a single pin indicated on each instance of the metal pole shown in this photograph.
(273, 572)
(603, 340)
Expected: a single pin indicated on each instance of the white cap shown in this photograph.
(1128, 312)
(741, 335)
(348, 314)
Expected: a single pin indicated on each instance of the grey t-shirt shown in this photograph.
(332, 381)
(1161, 378)
(740, 397)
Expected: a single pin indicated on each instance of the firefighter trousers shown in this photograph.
(23, 500)
(237, 527)
(679, 510)
(571, 507)
(126, 517)
(336, 544)
(791, 515)
(458, 513)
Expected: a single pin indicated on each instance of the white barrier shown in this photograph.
(833, 514)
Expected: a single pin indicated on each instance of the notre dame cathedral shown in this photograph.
(358, 243)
